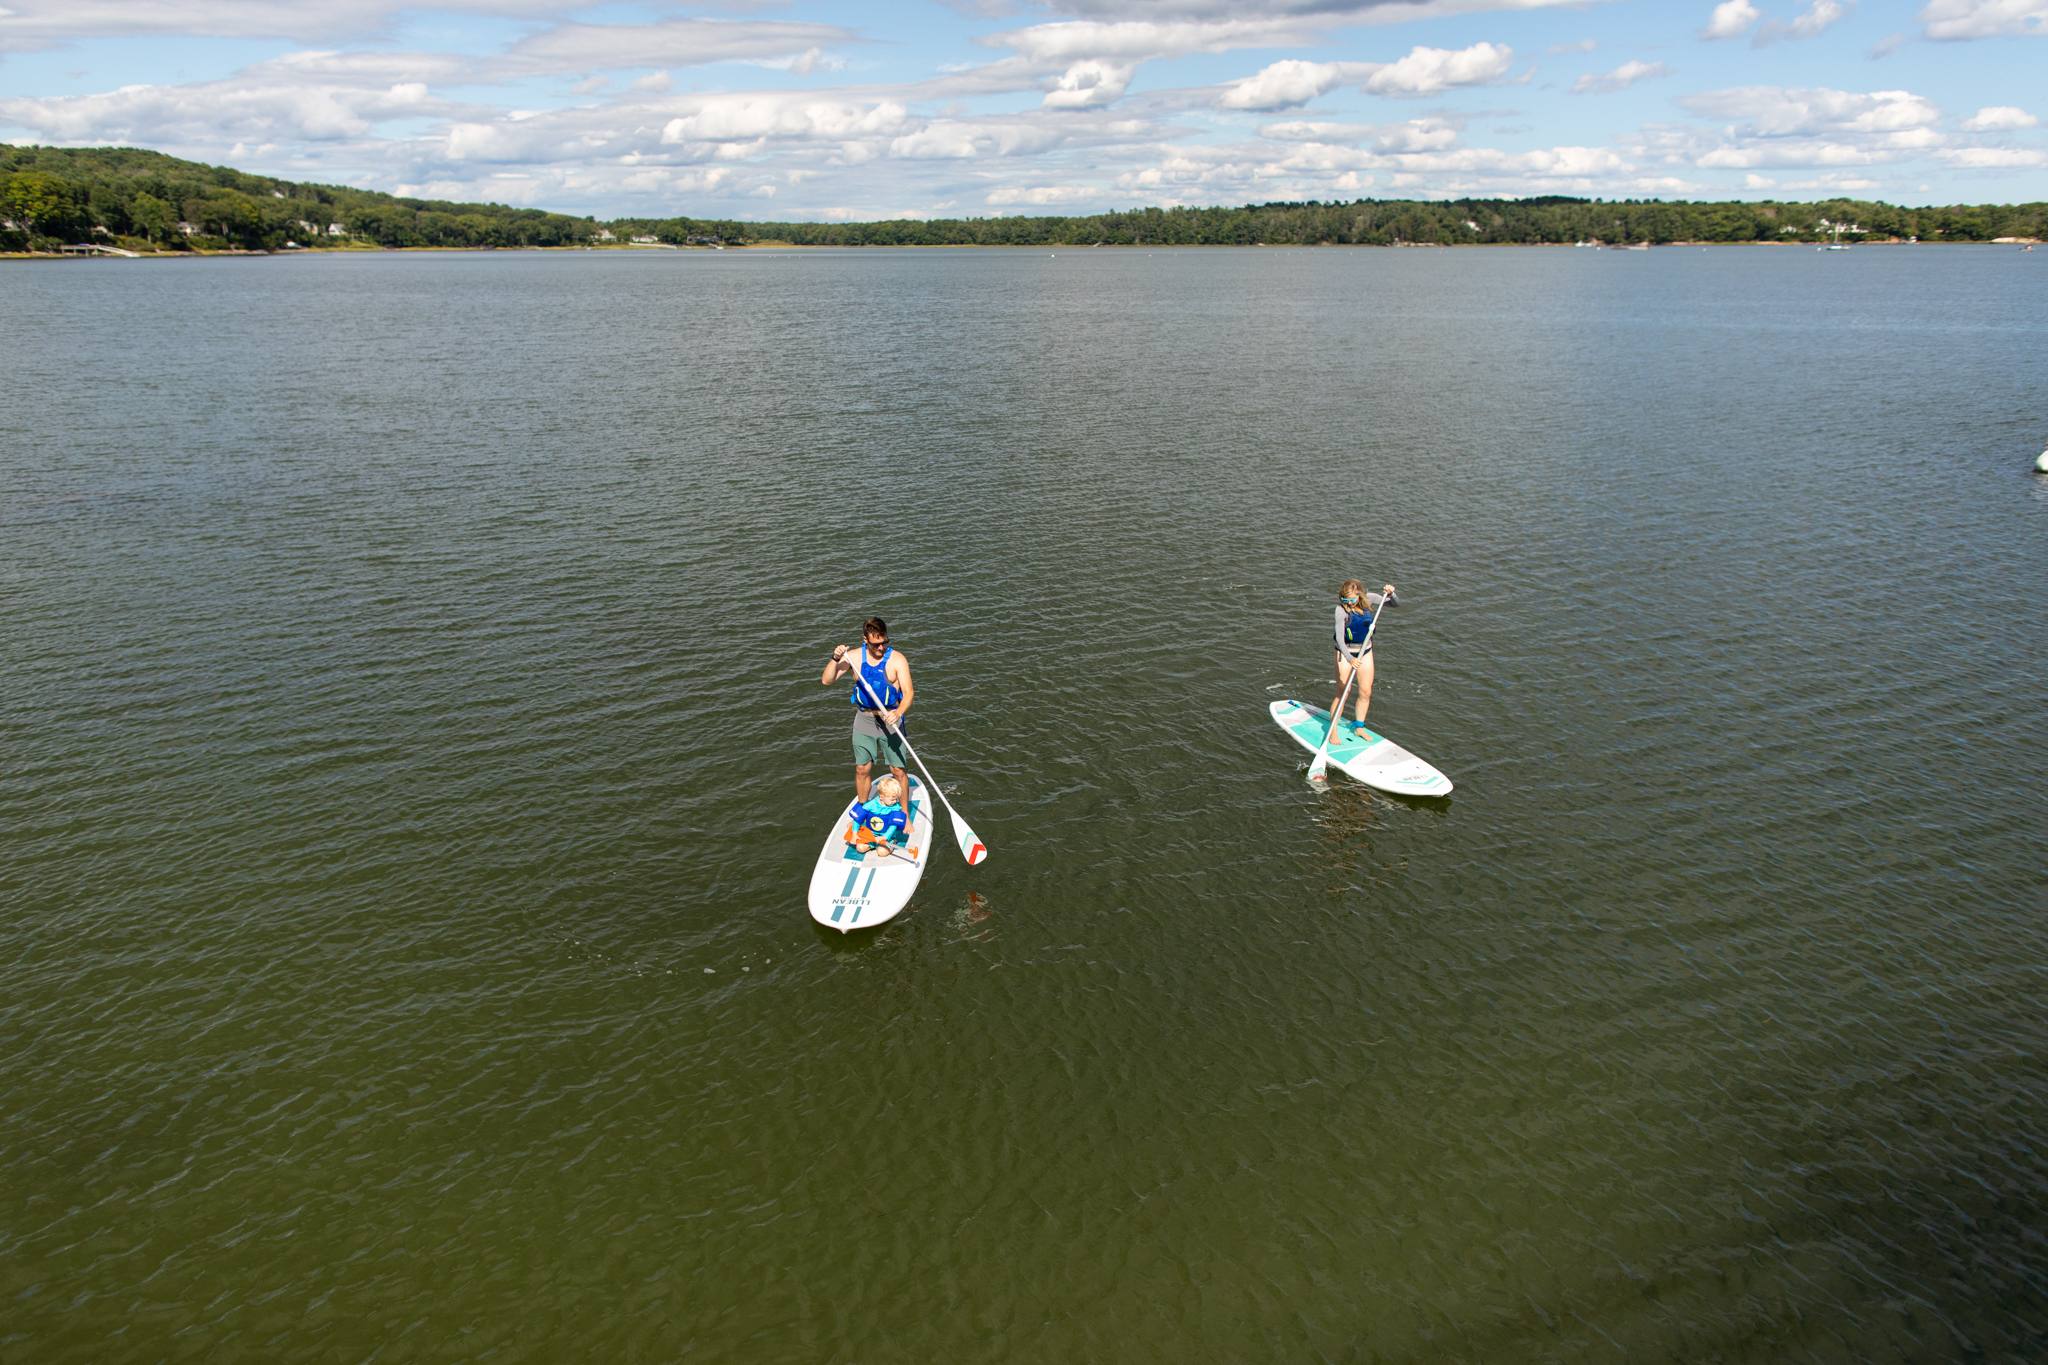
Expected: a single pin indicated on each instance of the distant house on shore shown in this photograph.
(647, 241)
(603, 235)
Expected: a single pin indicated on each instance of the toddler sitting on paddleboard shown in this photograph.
(880, 823)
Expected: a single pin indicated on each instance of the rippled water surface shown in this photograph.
(414, 760)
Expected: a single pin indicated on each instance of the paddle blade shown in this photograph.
(971, 847)
(1319, 769)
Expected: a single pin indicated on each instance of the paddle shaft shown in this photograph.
(883, 711)
(1322, 759)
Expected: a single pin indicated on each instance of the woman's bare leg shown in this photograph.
(1364, 703)
(1343, 676)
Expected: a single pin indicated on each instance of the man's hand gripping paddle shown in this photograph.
(1319, 766)
(971, 847)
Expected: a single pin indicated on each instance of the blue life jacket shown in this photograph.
(886, 821)
(1357, 625)
(877, 675)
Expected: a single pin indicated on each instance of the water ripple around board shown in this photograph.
(415, 763)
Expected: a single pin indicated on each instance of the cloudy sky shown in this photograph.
(837, 109)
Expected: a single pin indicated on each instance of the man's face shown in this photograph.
(876, 644)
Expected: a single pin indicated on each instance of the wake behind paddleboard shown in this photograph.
(854, 890)
(1372, 759)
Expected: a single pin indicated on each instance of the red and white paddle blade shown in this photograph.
(971, 847)
(1319, 771)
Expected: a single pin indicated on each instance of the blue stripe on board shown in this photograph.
(851, 878)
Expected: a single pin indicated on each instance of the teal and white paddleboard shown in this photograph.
(852, 889)
(1373, 759)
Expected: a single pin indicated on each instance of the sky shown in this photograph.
(836, 110)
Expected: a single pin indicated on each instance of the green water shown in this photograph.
(415, 761)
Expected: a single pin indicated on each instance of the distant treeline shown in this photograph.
(1391, 222)
(123, 196)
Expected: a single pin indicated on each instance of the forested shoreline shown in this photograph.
(127, 198)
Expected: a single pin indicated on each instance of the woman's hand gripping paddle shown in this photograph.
(1319, 766)
(971, 847)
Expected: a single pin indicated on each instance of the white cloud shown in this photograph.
(657, 84)
(980, 139)
(1099, 61)
(675, 42)
(1819, 14)
(1984, 158)
(1960, 20)
(1621, 78)
(1333, 12)
(1559, 49)
(1433, 70)
(1088, 83)
(1321, 169)
(1283, 85)
(1415, 135)
(1999, 118)
(767, 114)
(1766, 126)
(1140, 41)
(30, 25)
(1043, 196)
(1086, 64)
(273, 102)
(1730, 19)
(1773, 111)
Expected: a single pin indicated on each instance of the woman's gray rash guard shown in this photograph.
(1372, 604)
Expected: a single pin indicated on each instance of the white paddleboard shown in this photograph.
(851, 890)
(1373, 759)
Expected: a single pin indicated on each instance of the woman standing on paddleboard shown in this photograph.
(1355, 610)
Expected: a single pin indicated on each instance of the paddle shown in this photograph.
(971, 847)
(1319, 766)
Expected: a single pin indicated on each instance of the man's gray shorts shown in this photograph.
(873, 744)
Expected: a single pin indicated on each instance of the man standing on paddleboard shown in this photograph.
(1355, 610)
(887, 675)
